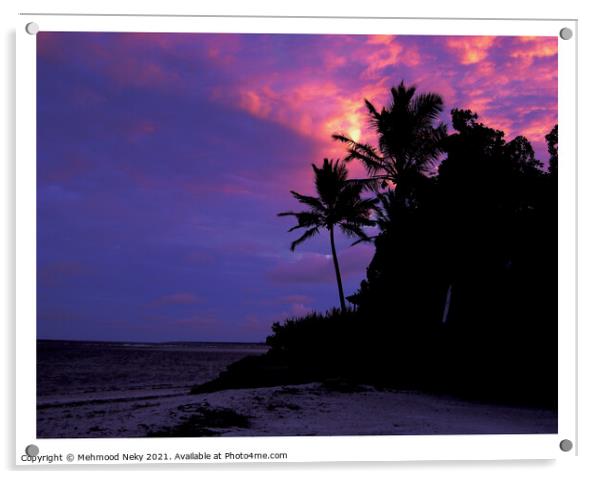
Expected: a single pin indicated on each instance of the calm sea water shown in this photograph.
(78, 371)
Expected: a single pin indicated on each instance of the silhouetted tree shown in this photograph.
(339, 203)
(522, 157)
(409, 144)
(552, 140)
(409, 141)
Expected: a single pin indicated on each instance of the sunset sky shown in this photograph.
(163, 160)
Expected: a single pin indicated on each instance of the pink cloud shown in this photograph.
(384, 51)
(530, 48)
(333, 60)
(537, 129)
(320, 108)
(470, 50)
(257, 103)
(513, 87)
(314, 106)
(318, 98)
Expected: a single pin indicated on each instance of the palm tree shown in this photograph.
(339, 203)
(409, 142)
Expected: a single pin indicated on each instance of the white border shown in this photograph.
(298, 449)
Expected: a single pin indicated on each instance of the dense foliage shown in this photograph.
(461, 294)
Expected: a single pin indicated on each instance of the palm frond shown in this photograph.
(374, 183)
(372, 110)
(427, 107)
(341, 138)
(307, 219)
(363, 152)
(310, 201)
(304, 237)
(287, 213)
(352, 230)
(370, 239)
(329, 180)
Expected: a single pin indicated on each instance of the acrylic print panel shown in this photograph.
(285, 238)
(163, 163)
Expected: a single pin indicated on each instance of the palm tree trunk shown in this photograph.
(336, 269)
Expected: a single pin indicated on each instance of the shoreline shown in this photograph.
(310, 409)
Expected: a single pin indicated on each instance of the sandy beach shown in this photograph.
(308, 409)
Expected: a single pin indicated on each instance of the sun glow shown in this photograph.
(355, 133)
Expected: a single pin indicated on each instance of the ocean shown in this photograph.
(77, 376)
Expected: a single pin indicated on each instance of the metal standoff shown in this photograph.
(32, 450)
(566, 445)
(32, 28)
(566, 33)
